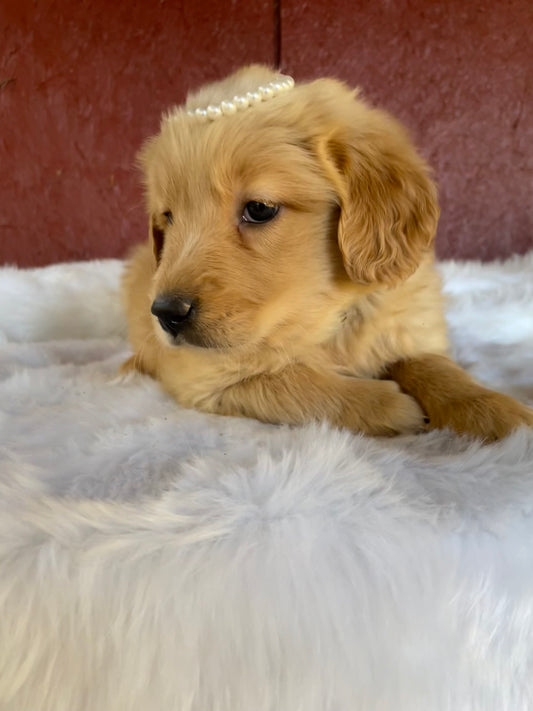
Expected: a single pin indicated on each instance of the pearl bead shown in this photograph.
(228, 108)
(266, 92)
(201, 114)
(253, 98)
(241, 102)
(213, 112)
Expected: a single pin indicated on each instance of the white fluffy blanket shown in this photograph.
(158, 559)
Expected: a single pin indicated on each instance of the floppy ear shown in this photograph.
(388, 203)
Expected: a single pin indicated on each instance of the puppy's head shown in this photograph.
(267, 224)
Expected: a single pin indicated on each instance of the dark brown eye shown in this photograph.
(259, 212)
(168, 217)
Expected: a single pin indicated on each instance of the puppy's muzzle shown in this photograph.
(174, 312)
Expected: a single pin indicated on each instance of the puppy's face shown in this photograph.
(266, 226)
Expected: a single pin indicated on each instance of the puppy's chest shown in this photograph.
(362, 353)
(367, 342)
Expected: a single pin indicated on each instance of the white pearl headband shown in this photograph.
(239, 103)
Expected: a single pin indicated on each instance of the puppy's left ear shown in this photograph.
(388, 203)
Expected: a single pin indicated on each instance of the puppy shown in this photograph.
(289, 273)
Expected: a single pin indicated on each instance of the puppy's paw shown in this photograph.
(401, 413)
(486, 415)
(386, 412)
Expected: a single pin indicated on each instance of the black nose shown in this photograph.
(173, 312)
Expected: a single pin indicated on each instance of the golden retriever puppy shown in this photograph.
(289, 273)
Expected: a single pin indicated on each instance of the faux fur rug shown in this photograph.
(157, 559)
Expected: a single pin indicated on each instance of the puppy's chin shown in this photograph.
(190, 337)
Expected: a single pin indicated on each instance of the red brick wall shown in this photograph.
(83, 83)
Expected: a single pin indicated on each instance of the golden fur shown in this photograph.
(321, 312)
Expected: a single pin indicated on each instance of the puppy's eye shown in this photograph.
(259, 212)
(168, 217)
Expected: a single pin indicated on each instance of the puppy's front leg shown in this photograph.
(451, 398)
(298, 394)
